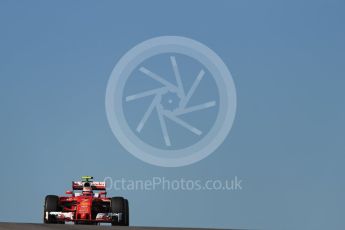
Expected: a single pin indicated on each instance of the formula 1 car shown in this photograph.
(86, 206)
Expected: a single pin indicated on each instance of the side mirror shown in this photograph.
(69, 192)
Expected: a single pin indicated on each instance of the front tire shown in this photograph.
(126, 213)
(51, 204)
(120, 205)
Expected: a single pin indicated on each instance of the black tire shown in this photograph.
(126, 213)
(51, 204)
(120, 205)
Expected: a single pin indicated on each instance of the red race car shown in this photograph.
(86, 206)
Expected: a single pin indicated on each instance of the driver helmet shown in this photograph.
(87, 190)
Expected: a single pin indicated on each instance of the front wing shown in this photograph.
(70, 216)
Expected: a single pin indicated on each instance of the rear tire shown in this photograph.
(51, 204)
(120, 205)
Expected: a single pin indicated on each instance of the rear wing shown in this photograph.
(78, 185)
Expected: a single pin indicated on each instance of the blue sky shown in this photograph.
(287, 141)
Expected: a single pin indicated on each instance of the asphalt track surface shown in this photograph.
(22, 226)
